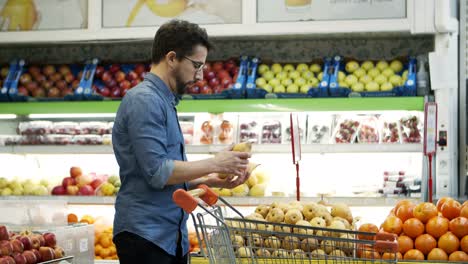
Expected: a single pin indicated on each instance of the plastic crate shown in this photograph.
(407, 89)
(77, 241)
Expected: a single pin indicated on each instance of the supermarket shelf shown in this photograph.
(221, 106)
(207, 149)
(236, 201)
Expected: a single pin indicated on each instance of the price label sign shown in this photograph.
(295, 138)
(430, 128)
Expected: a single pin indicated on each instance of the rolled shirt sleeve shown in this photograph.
(148, 137)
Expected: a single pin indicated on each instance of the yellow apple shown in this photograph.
(395, 80)
(367, 65)
(388, 72)
(268, 88)
(260, 82)
(315, 68)
(307, 74)
(258, 190)
(350, 80)
(365, 79)
(304, 88)
(351, 66)
(292, 88)
(396, 65)
(276, 68)
(262, 68)
(373, 72)
(241, 190)
(357, 87)
(288, 68)
(302, 67)
(380, 79)
(387, 86)
(279, 89)
(359, 72)
(382, 65)
(372, 86)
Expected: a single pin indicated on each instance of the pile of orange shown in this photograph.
(430, 232)
(104, 248)
(73, 219)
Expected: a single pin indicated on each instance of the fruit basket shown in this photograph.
(373, 78)
(287, 80)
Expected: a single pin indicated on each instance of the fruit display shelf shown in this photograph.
(210, 149)
(223, 106)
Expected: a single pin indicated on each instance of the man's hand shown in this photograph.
(230, 182)
(230, 162)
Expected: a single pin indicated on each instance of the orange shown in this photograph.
(400, 203)
(72, 218)
(97, 249)
(425, 211)
(459, 226)
(405, 211)
(405, 243)
(459, 256)
(97, 257)
(414, 254)
(448, 242)
(393, 225)
(113, 250)
(105, 252)
(371, 228)
(437, 254)
(105, 241)
(425, 243)
(441, 202)
(413, 227)
(464, 211)
(464, 244)
(451, 209)
(388, 255)
(437, 226)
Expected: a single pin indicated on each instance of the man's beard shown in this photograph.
(180, 85)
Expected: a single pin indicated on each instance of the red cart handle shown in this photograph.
(186, 199)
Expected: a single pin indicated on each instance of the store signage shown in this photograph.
(430, 128)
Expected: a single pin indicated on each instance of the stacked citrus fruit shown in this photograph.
(104, 248)
(429, 231)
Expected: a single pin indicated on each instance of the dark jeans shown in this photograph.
(133, 249)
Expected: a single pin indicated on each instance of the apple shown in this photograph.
(274, 82)
(139, 69)
(343, 84)
(357, 87)
(37, 254)
(206, 90)
(75, 84)
(53, 93)
(23, 91)
(217, 66)
(279, 89)
(104, 91)
(307, 74)
(367, 65)
(7, 260)
(30, 257)
(4, 72)
(218, 89)
(304, 88)
(67, 181)
(276, 68)
(86, 190)
(380, 79)
(396, 66)
(69, 78)
(387, 86)
(48, 70)
(115, 92)
(213, 82)
(260, 82)
(225, 82)
(47, 253)
(59, 252)
(388, 72)
(124, 85)
(113, 68)
(229, 65)
(99, 71)
(294, 75)
(315, 68)
(372, 86)
(342, 76)
(3, 233)
(373, 72)
(61, 84)
(83, 180)
(111, 83)
(302, 67)
(365, 79)
(289, 68)
(268, 88)
(262, 68)
(25, 78)
(123, 92)
(132, 75)
(96, 183)
(351, 79)
(320, 76)
(47, 85)
(35, 242)
(72, 189)
(50, 239)
(119, 76)
(210, 75)
(313, 82)
(193, 89)
(39, 78)
(351, 66)
(268, 75)
(39, 92)
(55, 77)
(395, 80)
(135, 82)
(106, 76)
(32, 86)
(359, 72)
(286, 82)
(64, 70)
(293, 88)
(27, 243)
(281, 75)
(19, 258)
(381, 65)
(223, 74)
(6, 249)
(300, 81)
(39, 237)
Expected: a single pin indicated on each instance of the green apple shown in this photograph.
(14, 184)
(279, 89)
(380, 79)
(294, 74)
(373, 72)
(6, 192)
(395, 80)
(286, 82)
(343, 84)
(320, 76)
(268, 88)
(262, 68)
(365, 79)
(367, 65)
(282, 75)
(359, 72)
(260, 82)
(313, 82)
(274, 82)
(300, 81)
(304, 88)
(307, 74)
(302, 67)
(350, 80)
(268, 75)
(276, 68)
(352, 66)
(381, 65)
(45, 183)
(388, 72)
(40, 190)
(18, 190)
(396, 65)
(372, 87)
(3, 183)
(28, 188)
(288, 68)
(315, 68)
(293, 88)
(341, 76)
(357, 87)
(386, 86)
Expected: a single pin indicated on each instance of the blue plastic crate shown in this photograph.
(11, 76)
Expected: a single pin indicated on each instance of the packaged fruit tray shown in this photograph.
(221, 80)
(288, 80)
(373, 78)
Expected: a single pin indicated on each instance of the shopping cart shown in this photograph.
(241, 240)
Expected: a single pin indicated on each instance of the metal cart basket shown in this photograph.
(241, 240)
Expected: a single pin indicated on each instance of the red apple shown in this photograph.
(210, 75)
(111, 83)
(31, 86)
(50, 239)
(19, 258)
(69, 78)
(114, 68)
(75, 172)
(53, 93)
(34, 69)
(47, 253)
(104, 91)
(206, 90)
(106, 76)
(64, 70)
(4, 233)
(61, 84)
(72, 189)
(39, 92)
(235, 71)
(25, 78)
(30, 257)
(229, 65)
(132, 75)
(225, 82)
(65, 92)
(193, 89)
(124, 85)
(7, 260)
(75, 84)
(23, 91)
(48, 70)
(59, 190)
(37, 254)
(86, 190)
(119, 76)
(223, 74)
(27, 243)
(217, 66)
(67, 181)
(99, 71)
(6, 249)
(59, 252)
(115, 92)
(39, 78)
(218, 89)
(96, 183)
(135, 82)
(55, 77)
(213, 82)
(40, 238)
(4, 72)
(17, 245)
(35, 242)
(47, 85)
(201, 83)
(123, 92)
(139, 69)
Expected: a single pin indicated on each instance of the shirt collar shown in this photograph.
(161, 87)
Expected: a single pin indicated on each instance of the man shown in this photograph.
(149, 147)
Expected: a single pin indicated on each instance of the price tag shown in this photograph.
(430, 128)
(295, 138)
(83, 245)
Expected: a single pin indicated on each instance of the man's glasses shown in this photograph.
(196, 64)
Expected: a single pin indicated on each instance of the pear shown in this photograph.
(318, 254)
(272, 242)
(276, 215)
(243, 147)
(241, 190)
(257, 190)
(299, 253)
(261, 252)
(263, 210)
(244, 252)
(280, 253)
(293, 216)
(309, 244)
(303, 231)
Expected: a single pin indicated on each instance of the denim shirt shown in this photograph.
(147, 139)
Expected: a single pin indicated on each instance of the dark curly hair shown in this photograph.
(179, 36)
